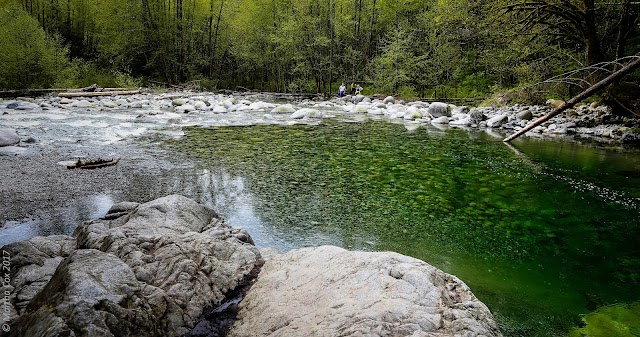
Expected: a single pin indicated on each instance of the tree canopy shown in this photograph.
(413, 47)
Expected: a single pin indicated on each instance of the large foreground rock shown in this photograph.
(150, 272)
(164, 267)
(328, 291)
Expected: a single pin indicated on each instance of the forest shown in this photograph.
(411, 48)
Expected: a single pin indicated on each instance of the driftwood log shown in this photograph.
(41, 92)
(98, 93)
(93, 164)
(616, 76)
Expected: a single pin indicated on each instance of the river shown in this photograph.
(543, 231)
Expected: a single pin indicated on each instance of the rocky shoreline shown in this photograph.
(166, 266)
(151, 255)
(591, 122)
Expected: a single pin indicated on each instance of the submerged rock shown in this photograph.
(325, 290)
(440, 120)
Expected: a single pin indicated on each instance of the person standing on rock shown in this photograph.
(342, 90)
(353, 88)
(358, 89)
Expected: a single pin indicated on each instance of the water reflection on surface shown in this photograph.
(56, 221)
(231, 198)
(214, 188)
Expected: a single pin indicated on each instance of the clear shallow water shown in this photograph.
(542, 232)
(63, 220)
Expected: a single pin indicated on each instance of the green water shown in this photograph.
(542, 232)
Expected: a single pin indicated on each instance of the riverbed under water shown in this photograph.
(542, 231)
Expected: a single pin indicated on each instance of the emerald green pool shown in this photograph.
(543, 232)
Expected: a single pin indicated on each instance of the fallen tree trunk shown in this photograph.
(635, 64)
(93, 164)
(98, 93)
(28, 92)
(40, 92)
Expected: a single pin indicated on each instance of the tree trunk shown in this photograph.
(592, 40)
(180, 42)
(209, 43)
(215, 37)
(331, 32)
(371, 22)
(148, 18)
(635, 64)
(623, 29)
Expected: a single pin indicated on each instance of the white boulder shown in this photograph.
(438, 109)
(412, 113)
(185, 108)
(497, 121)
(219, 109)
(179, 101)
(306, 112)
(8, 137)
(200, 105)
(284, 108)
(328, 291)
(361, 108)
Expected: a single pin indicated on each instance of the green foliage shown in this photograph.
(392, 69)
(408, 92)
(475, 85)
(519, 95)
(440, 48)
(30, 58)
(615, 320)
(125, 80)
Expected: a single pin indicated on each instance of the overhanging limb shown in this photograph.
(635, 64)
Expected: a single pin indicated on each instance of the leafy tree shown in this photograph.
(30, 58)
(600, 28)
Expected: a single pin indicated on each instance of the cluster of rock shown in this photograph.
(148, 272)
(169, 265)
(589, 121)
